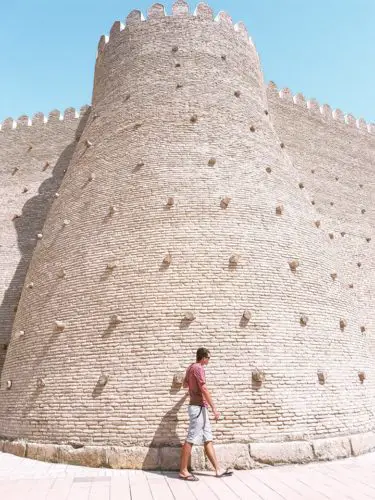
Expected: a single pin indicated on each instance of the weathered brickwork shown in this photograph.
(34, 154)
(185, 218)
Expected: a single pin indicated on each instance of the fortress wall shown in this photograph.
(166, 104)
(34, 155)
(335, 158)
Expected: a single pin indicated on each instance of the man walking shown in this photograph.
(199, 426)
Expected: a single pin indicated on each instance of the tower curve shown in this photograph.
(182, 222)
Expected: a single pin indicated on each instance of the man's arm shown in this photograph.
(208, 398)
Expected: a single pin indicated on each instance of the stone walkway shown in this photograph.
(22, 478)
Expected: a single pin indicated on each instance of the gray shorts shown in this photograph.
(199, 426)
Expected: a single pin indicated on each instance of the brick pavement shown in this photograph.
(22, 478)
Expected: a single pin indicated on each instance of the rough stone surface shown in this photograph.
(362, 443)
(136, 457)
(170, 458)
(44, 452)
(144, 149)
(235, 456)
(331, 448)
(15, 447)
(282, 453)
(91, 456)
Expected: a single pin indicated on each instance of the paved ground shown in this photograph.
(22, 478)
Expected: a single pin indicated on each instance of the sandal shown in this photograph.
(225, 473)
(189, 477)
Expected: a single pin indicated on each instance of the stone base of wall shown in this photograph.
(234, 455)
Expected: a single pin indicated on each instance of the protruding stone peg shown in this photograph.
(66, 222)
(189, 316)
(246, 315)
(91, 177)
(333, 276)
(178, 378)
(362, 376)
(40, 383)
(343, 324)
(25, 190)
(282, 145)
(170, 201)
(252, 128)
(62, 273)
(15, 170)
(363, 211)
(225, 202)
(301, 185)
(59, 325)
(211, 162)
(112, 210)
(103, 380)
(331, 236)
(368, 240)
(268, 170)
(167, 259)
(303, 320)
(363, 329)
(293, 264)
(343, 233)
(234, 259)
(322, 377)
(317, 223)
(15, 216)
(116, 319)
(88, 143)
(9, 384)
(279, 209)
(57, 195)
(174, 48)
(258, 376)
(20, 334)
(237, 93)
(112, 265)
(30, 285)
(46, 165)
(39, 236)
(194, 118)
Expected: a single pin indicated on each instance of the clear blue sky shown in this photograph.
(322, 48)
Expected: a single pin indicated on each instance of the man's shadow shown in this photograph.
(28, 225)
(166, 436)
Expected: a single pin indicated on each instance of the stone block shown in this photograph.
(45, 452)
(170, 458)
(234, 456)
(294, 452)
(135, 457)
(90, 456)
(2, 445)
(331, 448)
(198, 461)
(362, 443)
(15, 447)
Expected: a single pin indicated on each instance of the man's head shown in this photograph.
(203, 355)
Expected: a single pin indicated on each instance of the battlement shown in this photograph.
(38, 119)
(179, 9)
(324, 111)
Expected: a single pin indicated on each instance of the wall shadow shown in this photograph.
(166, 434)
(28, 225)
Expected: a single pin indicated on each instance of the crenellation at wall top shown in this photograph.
(70, 114)
(324, 110)
(179, 9)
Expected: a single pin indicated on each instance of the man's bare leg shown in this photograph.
(210, 452)
(185, 455)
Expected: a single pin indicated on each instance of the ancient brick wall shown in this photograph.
(33, 157)
(335, 159)
(184, 220)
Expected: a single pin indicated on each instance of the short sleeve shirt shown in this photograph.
(196, 378)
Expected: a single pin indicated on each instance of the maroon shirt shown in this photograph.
(195, 378)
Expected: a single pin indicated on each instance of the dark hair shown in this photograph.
(202, 352)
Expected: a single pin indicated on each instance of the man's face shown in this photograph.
(206, 360)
